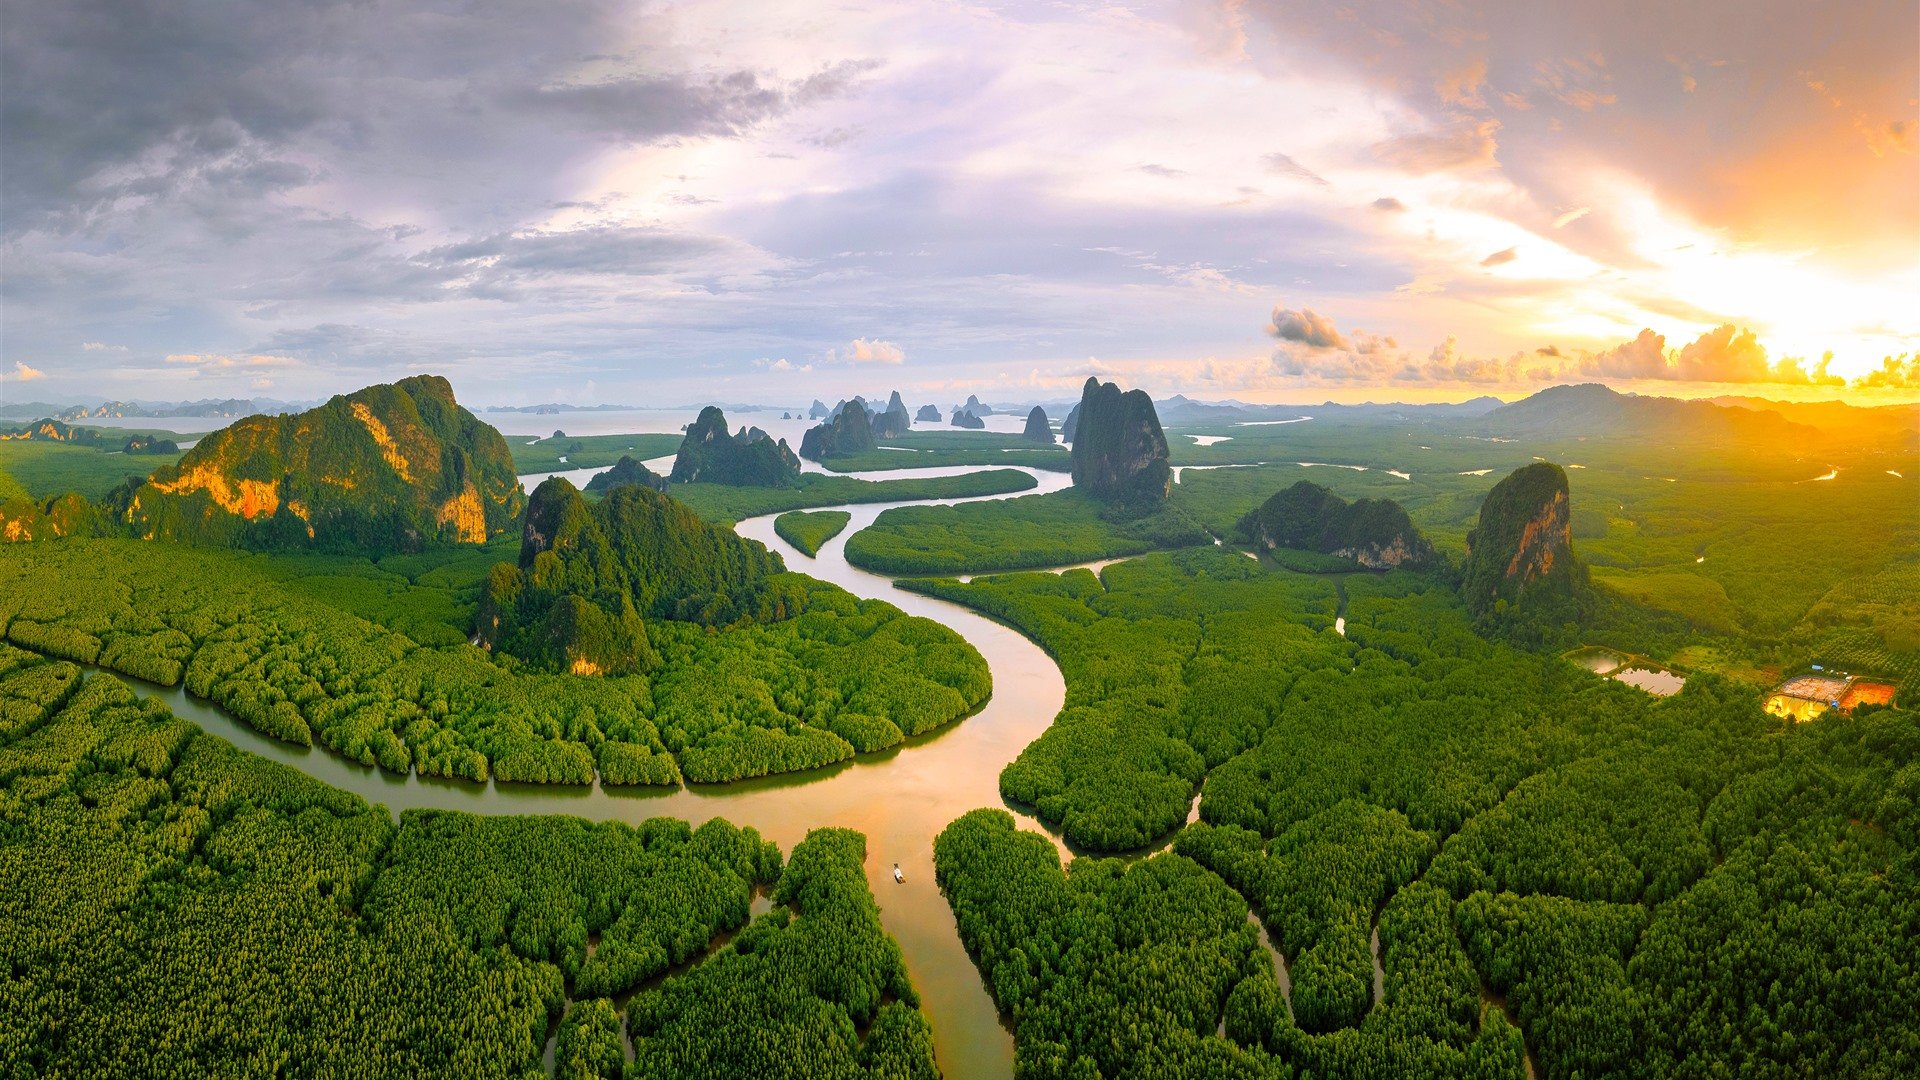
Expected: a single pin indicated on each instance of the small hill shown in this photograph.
(818, 411)
(976, 407)
(894, 421)
(1119, 452)
(590, 574)
(627, 471)
(24, 519)
(849, 432)
(1520, 570)
(51, 430)
(928, 414)
(749, 459)
(148, 444)
(1376, 533)
(963, 418)
(385, 468)
(1037, 429)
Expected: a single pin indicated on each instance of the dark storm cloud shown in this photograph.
(106, 100)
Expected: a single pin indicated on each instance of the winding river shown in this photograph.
(900, 798)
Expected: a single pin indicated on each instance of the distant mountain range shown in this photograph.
(218, 407)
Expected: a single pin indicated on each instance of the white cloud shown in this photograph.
(23, 373)
(875, 351)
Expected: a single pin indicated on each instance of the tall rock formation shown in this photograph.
(1520, 570)
(590, 574)
(975, 407)
(1037, 429)
(819, 410)
(386, 468)
(928, 414)
(894, 422)
(1376, 533)
(964, 419)
(849, 432)
(1119, 451)
(1071, 424)
(750, 459)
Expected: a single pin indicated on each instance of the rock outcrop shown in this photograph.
(750, 459)
(1037, 429)
(964, 419)
(1119, 452)
(849, 432)
(1376, 533)
(975, 407)
(894, 421)
(1071, 424)
(928, 414)
(590, 574)
(627, 471)
(386, 468)
(149, 444)
(1520, 563)
(818, 411)
(23, 519)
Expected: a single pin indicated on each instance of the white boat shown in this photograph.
(899, 877)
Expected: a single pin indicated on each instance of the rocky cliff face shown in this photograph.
(385, 468)
(1037, 428)
(590, 574)
(709, 454)
(928, 414)
(1119, 451)
(894, 421)
(1071, 424)
(849, 432)
(1376, 533)
(23, 519)
(1520, 562)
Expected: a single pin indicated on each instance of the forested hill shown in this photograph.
(589, 574)
(750, 458)
(1592, 410)
(1376, 533)
(385, 468)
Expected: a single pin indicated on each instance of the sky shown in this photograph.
(778, 200)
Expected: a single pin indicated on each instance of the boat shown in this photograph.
(899, 877)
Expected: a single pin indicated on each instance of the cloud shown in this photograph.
(1166, 171)
(1725, 354)
(213, 361)
(23, 373)
(1389, 203)
(100, 346)
(1645, 357)
(1461, 86)
(1468, 145)
(1306, 328)
(864, 351)
(1897, 372)
(1501, 257)
(1286, 166)
(1571, 216)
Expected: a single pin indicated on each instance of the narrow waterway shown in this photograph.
(900, 798)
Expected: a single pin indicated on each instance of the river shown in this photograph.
(900, 798)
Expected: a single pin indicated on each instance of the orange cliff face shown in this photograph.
(1543, 534)
(249, 499)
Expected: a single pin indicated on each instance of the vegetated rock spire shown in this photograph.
(1037, 428)
(750, 459)
(892, 422)
(1119, 451)
(849, 432)
(1521, 574)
